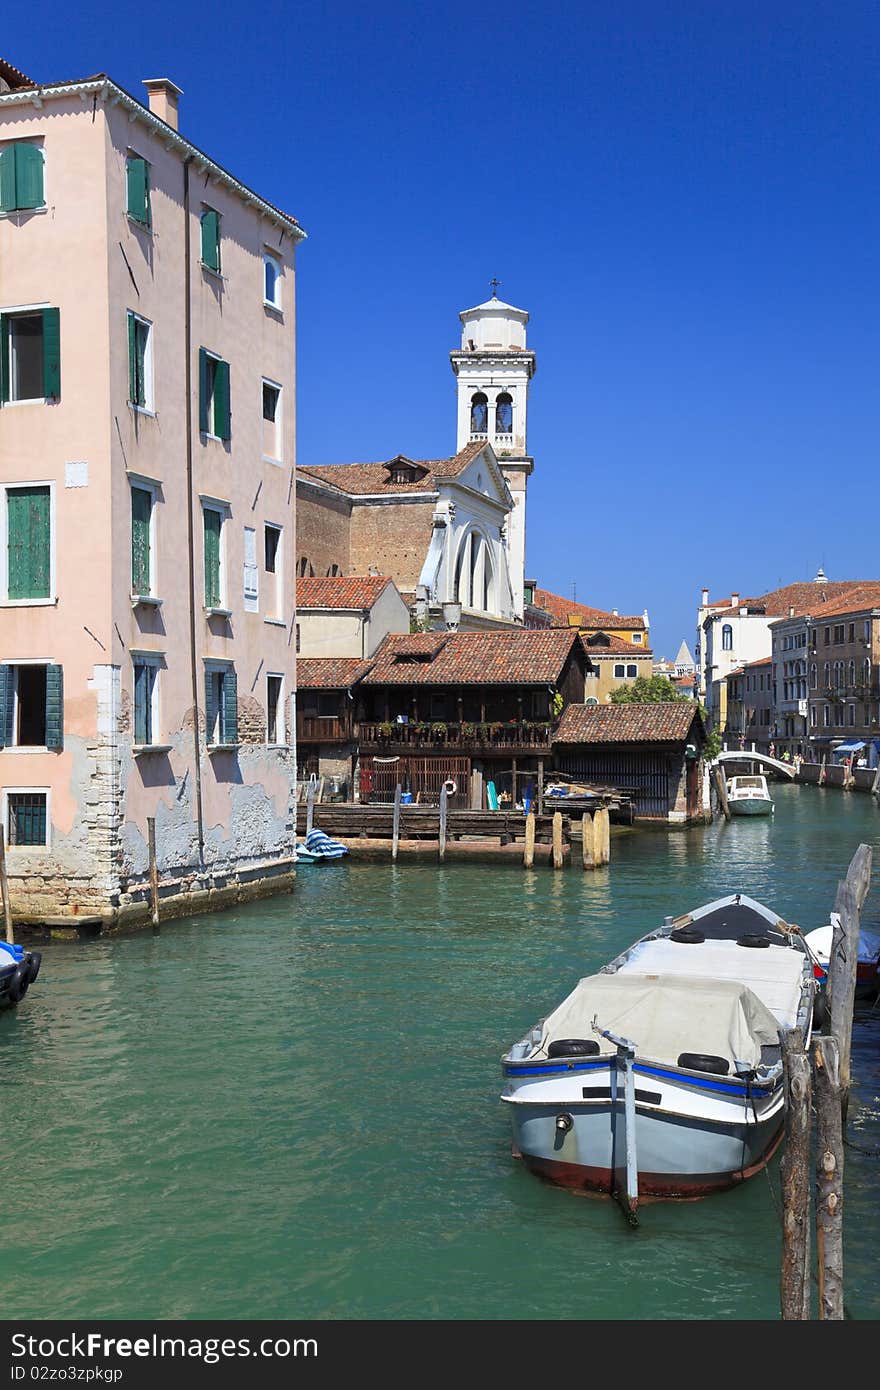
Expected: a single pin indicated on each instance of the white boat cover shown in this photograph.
(665, 1016)
(820, 940)
(774, 973)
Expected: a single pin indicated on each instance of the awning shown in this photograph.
(847, 748)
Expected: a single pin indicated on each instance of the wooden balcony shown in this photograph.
(319, 728)
(513, 736)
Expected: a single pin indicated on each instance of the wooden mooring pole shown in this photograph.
(843, 961)
(529, 851)
(444, 802)
(395, 827)
(557, 840)
(310, 807)
(587, 842)
(4, 889)
(602, 836)
(154, 870)
(829, 1178)
(721, 788)
(795, 1173)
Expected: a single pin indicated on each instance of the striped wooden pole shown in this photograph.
(529, 851)
(557, 839)
(395, 830)
(4, 889)
(587, 842)
(444, 800)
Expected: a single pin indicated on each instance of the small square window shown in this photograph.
(146, 691)
(30, 360)
(27, 821)
(137, 176)
(272, 421)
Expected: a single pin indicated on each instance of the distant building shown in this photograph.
(618, 663)
(564, 612)
(347, 617)
(750, 707)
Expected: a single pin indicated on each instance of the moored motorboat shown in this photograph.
(320, 849)
(18, 970)
(749, 796)
(867, 965)
(661, 1076)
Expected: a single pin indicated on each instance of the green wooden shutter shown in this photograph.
(203, 391)
(54, 707)
(213, 521)
(141, 698)
(132, 360)
(138, 178)
(7, 178)
(7, 705)
(28, 176)
(141, 509)
(221, 400)
(29, 542)
(52, 353)
(230, 707)
(211, 707)
(211, 239)
(4, 358)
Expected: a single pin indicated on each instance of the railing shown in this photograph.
(495, 734)
(315, 728)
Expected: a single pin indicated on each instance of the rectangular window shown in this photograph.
(271, 280)
(272, 421)
(30, 355)
(28, 543)
(214, 585)
(27, 820)
(141, 541)
(637, 637)
(211, 239)
(140, 362)
(31, 706)
(852, 715)
(632, 672)
(619, 672)
(21, 177)
(826, 715)
(214, 408)
(251, 572)
(838, 633)
(274, 710)
(221, 706)
(852, 632)
(137, 173)
(274, 594)
(827, 636)
(146, 699)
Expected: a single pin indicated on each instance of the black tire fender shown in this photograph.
(689, 936)
(573, 1047)
(18, 985)
(754, 940)
(702, 1061)
(35, 960)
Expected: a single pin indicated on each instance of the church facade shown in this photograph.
(449, 532)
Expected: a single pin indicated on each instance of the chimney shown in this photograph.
(734, 600)
(163, 96)
(790, 611)
(705, 602)
(615, 612)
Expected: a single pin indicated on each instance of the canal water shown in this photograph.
(291, 1111)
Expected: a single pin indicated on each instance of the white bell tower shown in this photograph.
(494, 368)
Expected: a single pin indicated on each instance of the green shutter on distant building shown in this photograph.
(230, 707)
(221, 400)
(203, 391)
(4, 358)
(7, 178)
(28, 529)
(138, 187)
(211, 706)
(213, 521)
(211, 239)
(52, 354)
(28, 176)
(54, 707)
(141, 702)
(132, 359)
(7, 705)
(141, 509)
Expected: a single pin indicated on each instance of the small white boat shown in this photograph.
(662, 1075)
(320, 849)
(868, 963)
(18, 970)
(749, 796)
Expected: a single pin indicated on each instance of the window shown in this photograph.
(305, 569)
(838, 633)
(30, 355)
(31, 706)
(21, 177)
(211, 239)
(852, 632)
(827, 636)
(221, 706)
(813, 720)
(140, 362)
(214, 410)
(146, 700)
(271, 280)
(137, 175)
(619, 672)
(504, 413)
(29, 561)
(274, 709)
(334, 572)
(479, 413)
(215, 568)
(638, 638)
(274, 567)
(632, 671)
(272, 421)
(851, 710)
(251, 572)
(826, 715)
(727, 638)
(142, 577)
(27, 818)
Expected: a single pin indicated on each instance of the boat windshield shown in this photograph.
(756, 782)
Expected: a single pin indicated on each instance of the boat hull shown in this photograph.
(753, 806)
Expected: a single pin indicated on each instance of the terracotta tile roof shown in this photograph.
(522, 656)
(329, 672)
(805, 597)
(613, 646)
(562, 610)
(856, 599)
(363, 479)
(663, 722)
(354, 591)
(16, 79)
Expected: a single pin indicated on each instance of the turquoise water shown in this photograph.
(291, 1111)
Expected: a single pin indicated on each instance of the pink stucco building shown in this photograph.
(146, 509)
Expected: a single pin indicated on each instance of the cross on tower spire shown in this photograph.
(495, 283)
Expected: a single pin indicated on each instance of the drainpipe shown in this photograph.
(197, 751)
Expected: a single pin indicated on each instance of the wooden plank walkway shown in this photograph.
(345, 821)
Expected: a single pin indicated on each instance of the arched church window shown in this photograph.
(488, 597)
(504, 413)
(305, 569)
(334, 572)
(479, 413)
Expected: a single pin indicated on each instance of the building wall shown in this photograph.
(323, 531)
(392, 537)
(607, 681)
(333, 632)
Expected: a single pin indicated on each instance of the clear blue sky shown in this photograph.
(684, 195)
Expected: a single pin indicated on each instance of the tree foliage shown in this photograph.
(647, 690)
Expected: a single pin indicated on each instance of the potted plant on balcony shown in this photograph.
(439, 730)
(386, 729)
(468, 729)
